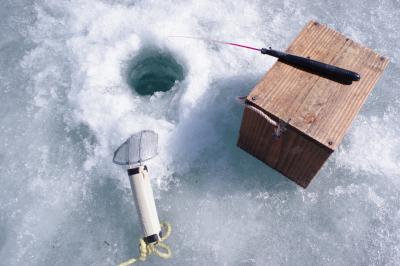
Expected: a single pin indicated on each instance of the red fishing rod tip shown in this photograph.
(243, 46)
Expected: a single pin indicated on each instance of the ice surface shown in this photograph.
(65, 107)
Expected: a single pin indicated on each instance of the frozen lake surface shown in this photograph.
(66, 106)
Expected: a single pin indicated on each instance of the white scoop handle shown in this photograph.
(144, 201)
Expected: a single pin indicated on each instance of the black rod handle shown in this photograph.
(315, 66)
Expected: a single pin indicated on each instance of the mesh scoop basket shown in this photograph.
(138, 148)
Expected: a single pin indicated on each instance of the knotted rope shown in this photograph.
(146, 250)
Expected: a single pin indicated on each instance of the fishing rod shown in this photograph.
(305, 63)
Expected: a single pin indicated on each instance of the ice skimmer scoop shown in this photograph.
(137, 149)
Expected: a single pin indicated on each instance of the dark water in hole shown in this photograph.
(154, 70)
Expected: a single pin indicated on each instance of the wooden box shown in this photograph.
(316, 111)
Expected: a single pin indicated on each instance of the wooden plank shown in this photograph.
(294, 155)
(284, 87)
(343, 104)
(320, 108)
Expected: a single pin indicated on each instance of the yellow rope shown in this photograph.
(146, 250)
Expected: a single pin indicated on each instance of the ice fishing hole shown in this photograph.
(154, 70)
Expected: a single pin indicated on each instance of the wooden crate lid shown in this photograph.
(320, 108)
